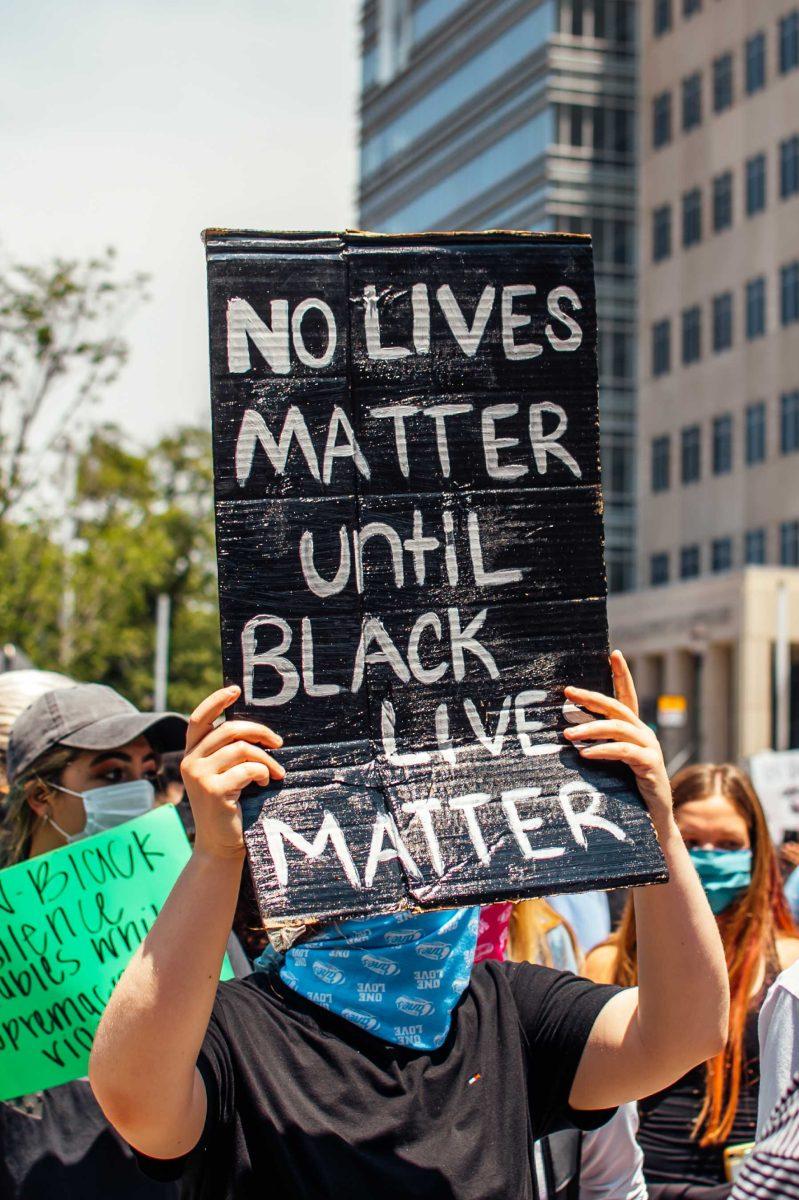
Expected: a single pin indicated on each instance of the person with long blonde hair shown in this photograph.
(686, 1128)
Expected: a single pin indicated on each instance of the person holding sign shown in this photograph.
(275, 1084)
(80, 760)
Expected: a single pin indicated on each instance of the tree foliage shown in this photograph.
(60, 347)
(143, 526)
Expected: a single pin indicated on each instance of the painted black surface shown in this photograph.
(427, 767)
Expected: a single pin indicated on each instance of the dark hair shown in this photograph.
(19, 819)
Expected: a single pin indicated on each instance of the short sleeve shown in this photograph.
(215, 1068)
(778, 1026)
(557, 1011)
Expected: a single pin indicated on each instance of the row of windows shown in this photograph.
(597, 127)
(663, 13)
(722, 554)
(755, 64)
(722, 443)
(722, 308)
(613, 20)
(723, 200)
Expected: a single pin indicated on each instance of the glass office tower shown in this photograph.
(517, 114)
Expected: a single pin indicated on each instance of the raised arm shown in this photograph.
(647, 1037)
(143, 1064)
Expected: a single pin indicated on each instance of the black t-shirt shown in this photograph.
(57, 1145)
(302, 1104)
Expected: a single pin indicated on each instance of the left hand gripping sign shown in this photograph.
(70, 921)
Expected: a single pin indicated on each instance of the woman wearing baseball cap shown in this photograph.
(80, 760)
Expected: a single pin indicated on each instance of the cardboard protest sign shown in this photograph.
(409, 532)
(70, 921)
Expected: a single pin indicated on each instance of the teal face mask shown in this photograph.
(724, 874)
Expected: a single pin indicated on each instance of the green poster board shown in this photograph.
(70, 921)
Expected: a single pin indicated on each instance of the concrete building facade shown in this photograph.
(718, 416)
(480, 114)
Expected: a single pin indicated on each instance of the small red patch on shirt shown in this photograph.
(475, 1078)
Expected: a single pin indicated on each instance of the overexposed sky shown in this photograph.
(137, 123)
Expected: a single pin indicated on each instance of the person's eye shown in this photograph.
(153, 777)
(113, 775)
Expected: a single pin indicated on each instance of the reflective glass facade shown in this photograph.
(517, 114)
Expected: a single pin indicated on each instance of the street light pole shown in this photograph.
(161, 667)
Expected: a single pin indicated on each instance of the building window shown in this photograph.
(722, 322)
(722, 201)
(661, 464)
(789, 293)
(755, 184)
(721, 554)
(755, 547)
(661, 347)
(662, 17)
(755, 59)
(789, 167)
(689, 7)
(722, 445)
(690, 454)
(622, 355)
(789, 41)
(756, 308)
(689, 562)
(722, 82)
(789, 544)
(659, 570)
(661, 120)
(692, 217)
(661, 233)
(619, 470)
(691, 335)
(789, 422)
(692, 101)
(755, 433)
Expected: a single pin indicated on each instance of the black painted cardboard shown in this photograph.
(406, 451)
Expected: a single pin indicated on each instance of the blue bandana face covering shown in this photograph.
(724, 874)
(398, 977)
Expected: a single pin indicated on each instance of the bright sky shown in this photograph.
(138, 123)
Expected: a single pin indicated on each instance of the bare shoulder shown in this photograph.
(787, 950)
(600, 963)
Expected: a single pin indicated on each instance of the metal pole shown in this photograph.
(161, 670)
(782, 672)
(69, 525)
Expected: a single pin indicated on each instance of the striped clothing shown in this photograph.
(771, 1172)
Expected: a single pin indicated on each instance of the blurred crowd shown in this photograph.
(76, 759)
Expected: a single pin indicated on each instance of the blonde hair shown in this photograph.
(530, 922)
(19, 818)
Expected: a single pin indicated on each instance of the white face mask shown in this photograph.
(109, 806)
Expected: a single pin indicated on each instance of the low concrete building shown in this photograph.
(713, 641)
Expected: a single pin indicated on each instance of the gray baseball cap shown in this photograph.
(88, 716)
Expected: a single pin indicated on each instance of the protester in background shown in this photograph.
(778, 1030)
(539, 934)
(771, 1171)
(18, 689)
(587, 915)
(314, 1096)
(686, 1128)
(80, 760)
(171, 782)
